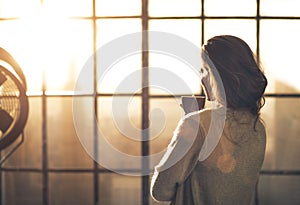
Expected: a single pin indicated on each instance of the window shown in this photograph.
(53, 39)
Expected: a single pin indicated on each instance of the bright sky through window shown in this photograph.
(51, 45)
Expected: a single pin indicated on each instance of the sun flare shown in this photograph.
(49, 48)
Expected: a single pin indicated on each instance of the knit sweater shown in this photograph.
(228, 175)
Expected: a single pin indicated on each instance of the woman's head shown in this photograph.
(243, 80)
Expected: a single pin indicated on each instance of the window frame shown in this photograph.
(145, 96)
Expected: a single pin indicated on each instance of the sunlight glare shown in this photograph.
(118, 7)
(49, 47)
(178, 67)
(280, 7)
(69, 7)
(18, 8)
(42, 31)
(280, 55)
(174, 8)
(230, 8)
(244, 29)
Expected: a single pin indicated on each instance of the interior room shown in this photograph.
(97, 118)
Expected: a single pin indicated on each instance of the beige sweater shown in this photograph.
(227, 176)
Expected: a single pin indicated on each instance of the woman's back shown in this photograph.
(229, 174)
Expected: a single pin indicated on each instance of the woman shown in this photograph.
(224, 170)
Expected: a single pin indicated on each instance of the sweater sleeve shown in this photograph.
(179, 160)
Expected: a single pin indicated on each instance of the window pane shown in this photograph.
(279, 54)
(124, 76)
(230, 7)
(174, 7)
(282, 119)
(64, 59)
(244, 29)
(22, 188)
(279, 8)
(187, 29)
(29, 153)
(65, 148)
(118, 189)
(118, 7)
(19, 45)
(69, 7)
(119, 122)
(165, 115)
(278, 190)
(171, 64)
(57, 46)
(72, 189)
(111, 29)
(169, 75)
(18, 8)
(124, 67)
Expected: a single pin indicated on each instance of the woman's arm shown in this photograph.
(179, 160)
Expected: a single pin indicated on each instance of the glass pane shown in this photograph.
(278, 190)
(69, 7)
(75, 189)
(117, 189)
(111, 29)
(124, 67)
(124, 76)
(279, 8)
(118, 7)
(244, 29)
(61, 55)
(22, 188)
(279, 54)
(18, 46)
(170, 73)
(174, 7)
(189, 29)
(18, 8)
(65, 149)
(119, 122)
(164, 116)
(170, 76)
(230, 8)
(29, 153)
(282, 119)
(64, 59)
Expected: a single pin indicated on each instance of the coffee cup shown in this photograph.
(192, 103)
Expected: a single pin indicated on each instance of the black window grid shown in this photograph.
(145, 96)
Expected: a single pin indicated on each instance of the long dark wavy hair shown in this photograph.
(243, 78)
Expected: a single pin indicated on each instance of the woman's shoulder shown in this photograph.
(204, 118)
(228, 114)
(205, 115)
